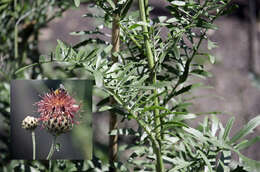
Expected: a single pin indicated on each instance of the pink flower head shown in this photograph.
(57, 104)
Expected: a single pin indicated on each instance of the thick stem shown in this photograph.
(143, 4)
(113, 140)
(146, 36)
(52, 150)
(34, 145)
(159, 160)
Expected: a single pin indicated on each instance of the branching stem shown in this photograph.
(143, 8)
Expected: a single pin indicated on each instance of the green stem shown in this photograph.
(155, 142)
(146, 36)
(34, 145)
(143, 5)
(52, 150)
(15, 34)
(50, 166)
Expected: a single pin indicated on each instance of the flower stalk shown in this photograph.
(34, 144)
(30, 123)
(52, 149)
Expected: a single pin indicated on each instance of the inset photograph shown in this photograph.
(51, 119)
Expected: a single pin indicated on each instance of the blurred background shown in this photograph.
(235, 77)
(75, 145)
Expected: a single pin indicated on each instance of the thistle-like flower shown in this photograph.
(57, 110)
(30, 123)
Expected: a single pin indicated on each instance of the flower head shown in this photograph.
(55, 108)
(30, 123)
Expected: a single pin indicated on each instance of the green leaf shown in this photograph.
(77, 3)
(178, 3)
(126, 8)
(250, 164)
(118, 110)
(172, 124)
(57, 147)
(185, 74)
(98, 78)
(228, 128)
(205, 24)
(211, 44)
(248, 128)
(181, 165)
(134, 26)
(112, 4)
(201, 73)
(181, 117)
(105, 108)
(25, 67)
(58, 52)
(42, 58)
(245, 143)
(198, 135)
(176, 52)
(103, 101)
(172, 20)
(152, 108)
(224, 161)
(186, 89)
(211, 58)
(214, 125)
(90, 55)
(124, 131)
(206, 160)
(162, 18)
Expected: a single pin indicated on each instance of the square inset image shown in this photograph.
(51, 119)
